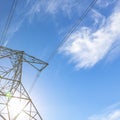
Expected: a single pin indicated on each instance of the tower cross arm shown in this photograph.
(34, 62)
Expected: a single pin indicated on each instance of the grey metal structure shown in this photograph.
(12, 90)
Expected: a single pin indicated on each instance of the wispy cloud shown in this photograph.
(105, 3)
(20, 16)
(111, 113)
(88, 46)
(13, 29)
(37, 8)
(65, 6)
(99, 19)
(53, 7)
(33, 8)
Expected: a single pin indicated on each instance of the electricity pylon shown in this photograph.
(15, 102)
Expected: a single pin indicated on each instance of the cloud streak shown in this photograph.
(52, 7)
(105, 3)
(88, 46)
(114, 115)
(111, 113)
(31, 9)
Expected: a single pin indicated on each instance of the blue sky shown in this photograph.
(82, 80)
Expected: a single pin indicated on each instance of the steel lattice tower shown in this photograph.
(11, 87)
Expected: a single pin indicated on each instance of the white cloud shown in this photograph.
(105, 3)
(114, 52)
(64, 6)
(114, 115)
(87, 47)
(13, 29)
(52, 7)
(33, 8)
(111, 113)
(99, 19)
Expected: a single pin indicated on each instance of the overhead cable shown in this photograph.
(68, 34)
(8, 22)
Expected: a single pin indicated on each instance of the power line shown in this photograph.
(8, 22)
(34, 82)
(68, 34)
(9, 19)
(75, 26)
